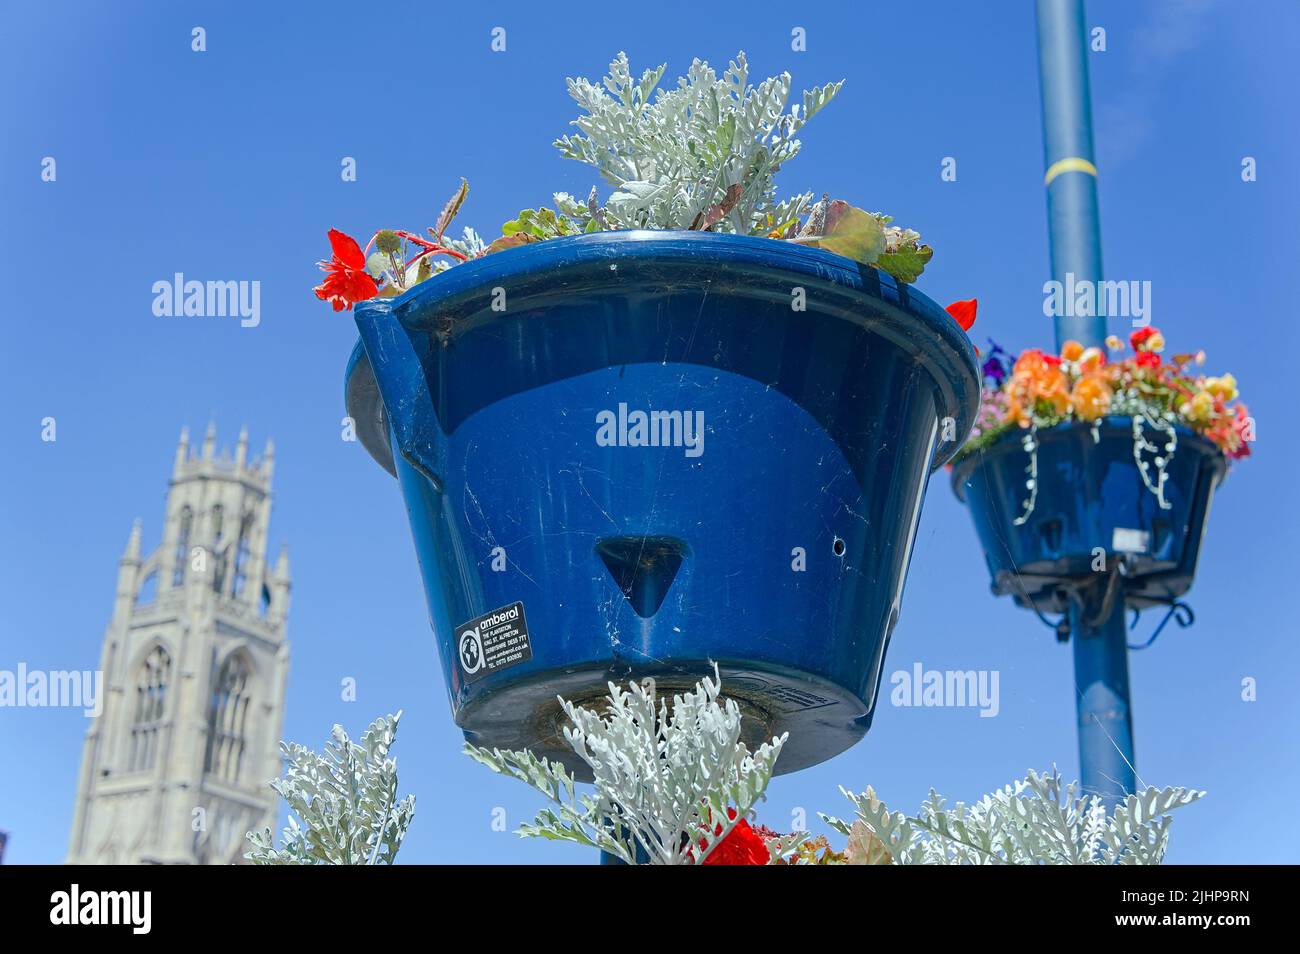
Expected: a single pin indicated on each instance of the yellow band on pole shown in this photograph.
(1072, 164)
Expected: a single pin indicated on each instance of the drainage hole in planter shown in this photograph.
(1052, 532)
(838, 547)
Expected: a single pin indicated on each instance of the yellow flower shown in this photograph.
(1071, 350)
(1156, 343)
(1200, 408)
(1224, 387)
(1113, 343)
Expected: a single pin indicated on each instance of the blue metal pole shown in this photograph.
(1102, 699)
(1071, 178)
(1100, 647)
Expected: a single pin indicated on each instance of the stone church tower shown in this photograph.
(195, 659)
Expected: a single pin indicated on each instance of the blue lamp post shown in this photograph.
(1098, 630)
(1088, 520)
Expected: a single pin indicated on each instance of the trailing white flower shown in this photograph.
(671, 782)
(1026, 823)
(345, 802)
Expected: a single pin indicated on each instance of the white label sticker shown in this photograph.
(494, 641)
(1130, 541)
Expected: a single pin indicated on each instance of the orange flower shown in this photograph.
(1032, 363)
(1016, 412)
(1038, 385)
(1084, 384)
(1091, 398)
(1091, 361)
(1054, 391)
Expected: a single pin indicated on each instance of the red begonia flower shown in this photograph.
(963, 312)
(1147, 359)
(1139, 337)
(742, 846)
(346, 279)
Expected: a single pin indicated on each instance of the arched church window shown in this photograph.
(183, 546)
(218, 521)
(227, 714)
(150, 705)
(219, 571)
(242, 552)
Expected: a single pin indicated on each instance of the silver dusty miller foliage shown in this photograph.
(698, 157)
(345, 803)
(672, 781)
(1025, 823)
(701, 155)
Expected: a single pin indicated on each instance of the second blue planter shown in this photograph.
(630, 455)
(1089, 503)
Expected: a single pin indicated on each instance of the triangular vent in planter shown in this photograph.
(643, 567)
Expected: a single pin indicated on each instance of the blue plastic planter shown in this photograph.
(1090, 495)
(778, 547)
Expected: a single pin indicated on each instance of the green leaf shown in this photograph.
(907, 263)
(513, 240)
(851, 232)
(541, 224)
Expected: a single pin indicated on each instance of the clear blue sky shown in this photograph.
(225, 165)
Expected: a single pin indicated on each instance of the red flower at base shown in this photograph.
(963, 312)
(742, 846)
(346, 279)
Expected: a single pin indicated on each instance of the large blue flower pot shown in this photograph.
(1091, 500)
(559, 553)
